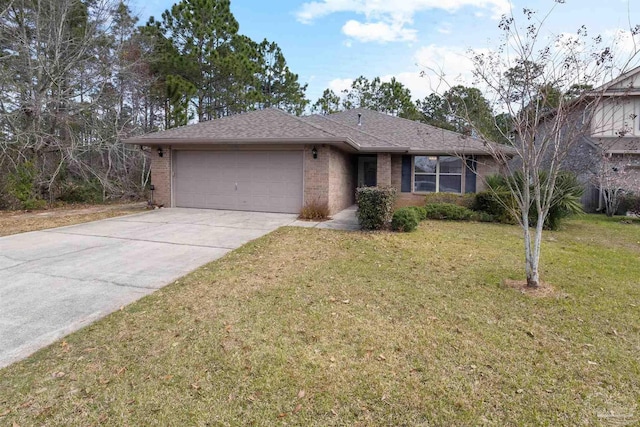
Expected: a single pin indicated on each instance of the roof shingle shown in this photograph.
(377, 131)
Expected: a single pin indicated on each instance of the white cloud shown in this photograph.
(623, 42)
(378, 31)
(437, 69)
(338, 85)
(445, 28)
(389, 20)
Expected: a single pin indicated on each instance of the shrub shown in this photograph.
(81, 192)
(405, 220)
(375, 206)
(448, 211)
(630, 204)
(495, 205)
(21, 185)
(483, 217)
(465, 200)
(420, 211)
(566, 199)
(315, 211)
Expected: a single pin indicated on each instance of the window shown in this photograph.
(433, 174)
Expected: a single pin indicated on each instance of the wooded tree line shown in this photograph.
(79, 76)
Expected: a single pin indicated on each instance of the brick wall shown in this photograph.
(341, 181)
(396, 172)
(384, 169)
(487, 166)
(161, 176)
(316, 175)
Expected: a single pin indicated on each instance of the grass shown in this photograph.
(14, 222)
(317, 327)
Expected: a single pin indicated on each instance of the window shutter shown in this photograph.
(406, 174)
(470, 176)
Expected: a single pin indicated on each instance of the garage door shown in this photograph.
(263, 181)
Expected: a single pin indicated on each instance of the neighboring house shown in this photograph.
(272, 161)
(607, 157)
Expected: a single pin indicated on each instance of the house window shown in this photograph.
(433, 174)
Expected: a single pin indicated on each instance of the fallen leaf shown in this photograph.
(5, 413)
(282, 415)
(591, 363)
(381, 357)
(345, 301)
(301, 394)
(58, 374)
(297, 409)
(519, 391)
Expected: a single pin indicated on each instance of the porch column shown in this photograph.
(384, 170)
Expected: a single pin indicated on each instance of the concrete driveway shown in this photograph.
(56, 281)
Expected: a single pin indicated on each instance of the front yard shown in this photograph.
(14, 222)
(316, 327)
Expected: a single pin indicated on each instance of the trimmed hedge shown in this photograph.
(405, 220)
(448, 211)
(464, 200)
(375, 206)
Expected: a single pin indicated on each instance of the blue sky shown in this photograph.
(330, 42)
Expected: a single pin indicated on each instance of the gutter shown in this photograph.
(239, 141)
(176, 143)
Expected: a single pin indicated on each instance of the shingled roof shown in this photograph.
(360, 129)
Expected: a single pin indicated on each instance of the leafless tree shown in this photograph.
(543, 82)
(67, 95)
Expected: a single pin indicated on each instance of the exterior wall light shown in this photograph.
(160, 152)
(314, 152)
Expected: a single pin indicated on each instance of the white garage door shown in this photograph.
(263, 181)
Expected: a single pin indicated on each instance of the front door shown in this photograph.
(367, 171)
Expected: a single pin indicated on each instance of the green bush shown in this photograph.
(566, 199)
(448, 211)
(630, 203)
(81, 192)
(465, 200)
(483, 217)
(375, 206)
(420, 212)
(21, 185)
(405, 220)
(495, 205)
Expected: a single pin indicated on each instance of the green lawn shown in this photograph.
(315, 327)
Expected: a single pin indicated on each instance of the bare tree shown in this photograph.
(64, 104)
(542, 82)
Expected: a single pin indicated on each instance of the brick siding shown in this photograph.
(161, 176)
(384, 170)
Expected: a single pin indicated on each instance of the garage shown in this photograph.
(262, 181)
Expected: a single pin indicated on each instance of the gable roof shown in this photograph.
(378, 132)
(616, 85)
(254, 125)
(408, 133)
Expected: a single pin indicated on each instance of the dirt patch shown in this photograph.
(543, 291)
(14, 222)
